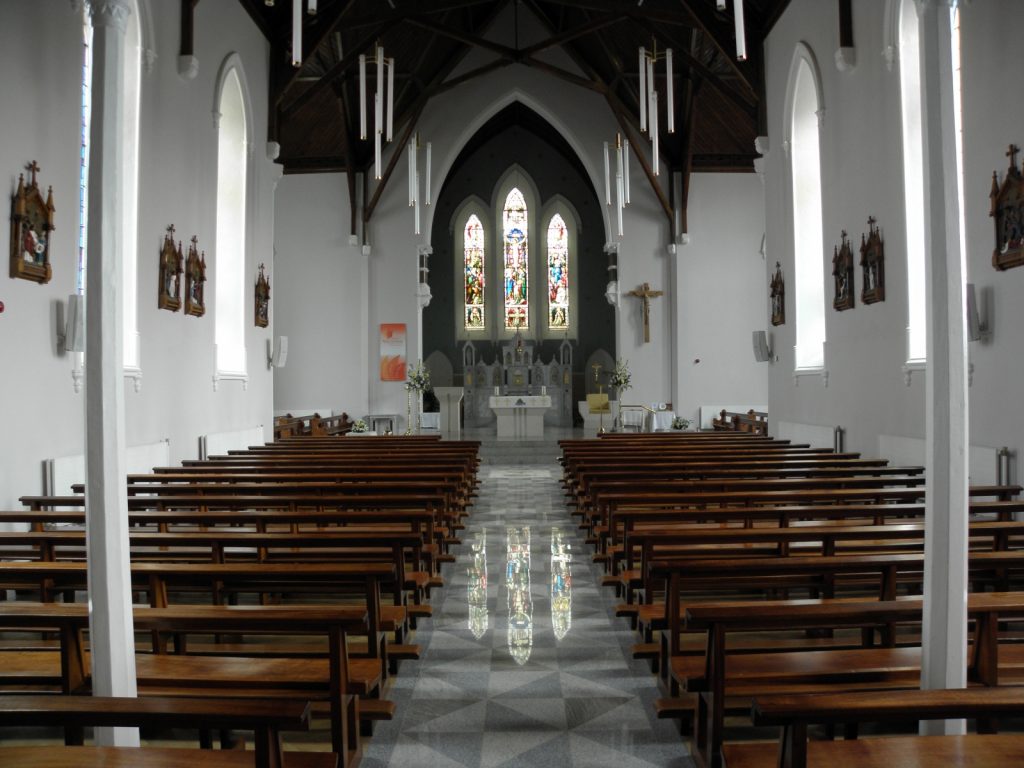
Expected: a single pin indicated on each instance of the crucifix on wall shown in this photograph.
(645, 294)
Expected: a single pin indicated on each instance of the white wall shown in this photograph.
(862, 176)
(40, 48)
(721, 295)
(320, 298)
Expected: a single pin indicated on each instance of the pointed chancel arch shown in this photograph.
(803, 115)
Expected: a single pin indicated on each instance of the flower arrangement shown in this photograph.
(620, 377)
(358, 425)
(680, 423)
(418, 378)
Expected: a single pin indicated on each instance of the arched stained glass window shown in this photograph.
(515, 236)
(558, 274)
(473, 256)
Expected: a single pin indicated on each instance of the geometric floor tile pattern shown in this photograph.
(523, 662)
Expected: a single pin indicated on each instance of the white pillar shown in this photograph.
(675, 307)
(110, 617)
(944, 632)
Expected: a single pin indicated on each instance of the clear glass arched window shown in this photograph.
(231, 226)
(474, 257)
(558, 274)
(516, 239)
(805, 156)
(913, 179)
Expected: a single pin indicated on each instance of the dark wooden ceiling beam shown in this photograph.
(746, 100)
(351, 59)
(620, 112)
(326, 22)
(704, 17)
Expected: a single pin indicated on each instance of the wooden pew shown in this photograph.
(265, 718)
(719, 674)
(752, 421)
(183, 675)
(793, 714)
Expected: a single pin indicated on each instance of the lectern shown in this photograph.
(450, 399)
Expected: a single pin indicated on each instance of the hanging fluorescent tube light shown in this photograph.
(362, 97)
(296, 33)
(625, 161)
(391, 97)
(426, 188)
(720, 4)
(607, 178)
(654, 130)
(311, 9)
(643, 89)
(668, 90)
(741, 35)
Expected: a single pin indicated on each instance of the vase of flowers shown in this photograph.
(620, 378)
(358, 426)
(417, 380)
(679, 423)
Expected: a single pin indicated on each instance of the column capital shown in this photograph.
(110, 13)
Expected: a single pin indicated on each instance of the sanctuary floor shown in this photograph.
(553, 686)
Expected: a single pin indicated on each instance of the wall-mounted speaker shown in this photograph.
(74, 324)
(762, 352)
(277, 352)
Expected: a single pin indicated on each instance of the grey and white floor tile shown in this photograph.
(524, 662)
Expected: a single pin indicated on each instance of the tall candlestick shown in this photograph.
(391, 96)
(741, 35)
(643, 89)
(607, 178)
(362, 96)
(670, 106)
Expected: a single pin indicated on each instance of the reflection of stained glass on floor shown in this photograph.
(520, 603)
(476, 589)
(561, 584)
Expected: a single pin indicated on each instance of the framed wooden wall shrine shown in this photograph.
(872, 263)
(1007, 211)
(842, 273)
(262, 307)
(778, 296)
(31, 225)
(171, 260)
(195, 280)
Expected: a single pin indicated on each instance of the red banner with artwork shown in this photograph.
(392, 351)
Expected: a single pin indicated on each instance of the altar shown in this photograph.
(520, 415)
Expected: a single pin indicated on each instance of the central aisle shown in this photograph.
(555, 686)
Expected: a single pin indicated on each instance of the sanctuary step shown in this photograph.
(519, 452)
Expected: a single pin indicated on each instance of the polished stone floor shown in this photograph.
(524, 663)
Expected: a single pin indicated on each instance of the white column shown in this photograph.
(110, 618)
(945, 588)
(675, 307)
(423, 297)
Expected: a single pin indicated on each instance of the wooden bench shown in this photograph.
(794, 713)
(73, 713)
(752, 421)
(191, 676)
(719, 674)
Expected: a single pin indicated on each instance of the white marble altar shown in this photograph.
(520, 415)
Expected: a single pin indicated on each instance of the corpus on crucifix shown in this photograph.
(645, 294)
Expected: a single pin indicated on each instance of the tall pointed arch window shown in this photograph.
(515, 236)
(558, 274)
(474, 254)
(805, 158)
(913, 179)
(231, 225)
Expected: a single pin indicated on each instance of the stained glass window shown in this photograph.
(558, 274)
(517, 261)
(473, 262)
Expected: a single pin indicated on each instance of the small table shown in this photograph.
(389, 420)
